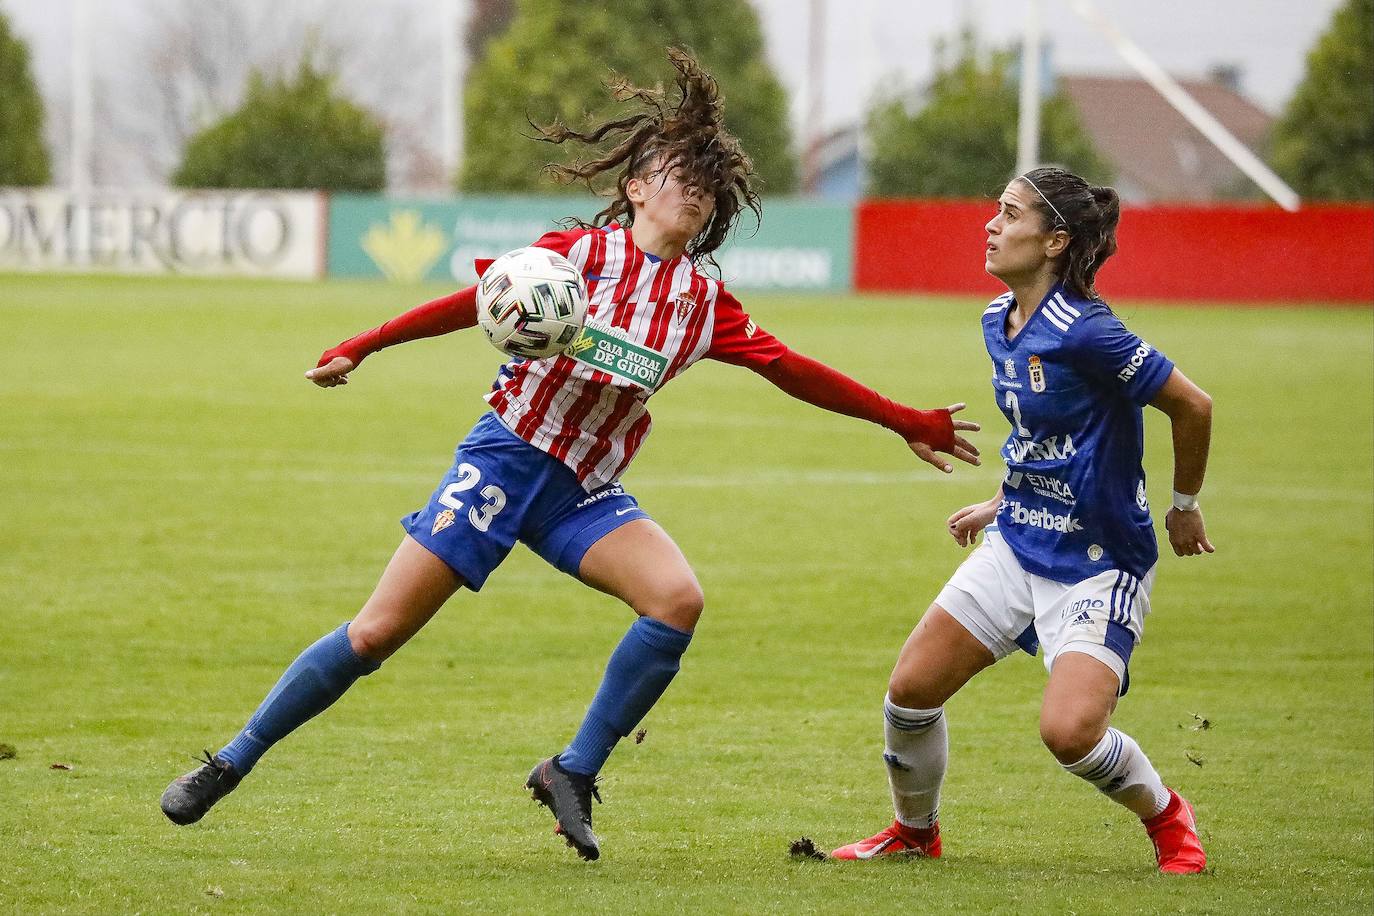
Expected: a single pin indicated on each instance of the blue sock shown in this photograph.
(640, 669)
(317, 678)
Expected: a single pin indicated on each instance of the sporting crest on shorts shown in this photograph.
(686, 303)
(442, 521)
(1036, 371)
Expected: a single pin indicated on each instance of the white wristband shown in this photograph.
(1185, 502)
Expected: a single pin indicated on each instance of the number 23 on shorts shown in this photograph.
(479, 515)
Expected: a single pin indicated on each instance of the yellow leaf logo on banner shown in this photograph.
(406, 249)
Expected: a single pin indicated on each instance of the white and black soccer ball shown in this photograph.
(531, 302)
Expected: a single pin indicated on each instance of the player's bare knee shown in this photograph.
(1068, 737)
(373, 641)
(679, 605)
(912, 692)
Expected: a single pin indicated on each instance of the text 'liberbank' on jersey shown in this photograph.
(1072, 384)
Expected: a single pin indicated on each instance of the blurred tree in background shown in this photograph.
(961, 142)
(23, 156)
(289, 134)
(486, 20)
(1323, 144)
(555, 58)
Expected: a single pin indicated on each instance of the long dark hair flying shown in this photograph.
(686, 134)
(1089, 214)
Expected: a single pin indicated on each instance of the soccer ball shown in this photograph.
(531, 302)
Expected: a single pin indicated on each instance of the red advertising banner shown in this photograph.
(1321, 254)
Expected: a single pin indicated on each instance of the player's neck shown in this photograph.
(1029, 293)
(654, 240)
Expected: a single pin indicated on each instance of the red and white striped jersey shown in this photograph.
(648, 320)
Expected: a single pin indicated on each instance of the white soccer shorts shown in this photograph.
(1007, 608)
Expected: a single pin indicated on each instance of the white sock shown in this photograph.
(1120, 769)
(917, 750)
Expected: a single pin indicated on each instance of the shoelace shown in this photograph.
(589, 786)
(209, 760)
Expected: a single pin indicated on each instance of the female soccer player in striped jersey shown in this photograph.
(543, 466)
(1069, 553)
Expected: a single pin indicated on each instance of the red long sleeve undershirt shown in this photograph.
(799, 376)
(816, 383)
(438, 316)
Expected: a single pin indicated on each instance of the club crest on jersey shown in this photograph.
(442, 521)
(1037, 373)
(1009, 368)
(686, 303)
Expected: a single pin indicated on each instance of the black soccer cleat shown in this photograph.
(569, 796)
(189, 797)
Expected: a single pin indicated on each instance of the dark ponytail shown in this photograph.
(1087, 213)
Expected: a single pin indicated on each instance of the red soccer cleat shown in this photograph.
(895, 840)
(1174, 833)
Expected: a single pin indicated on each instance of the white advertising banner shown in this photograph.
(251, 233)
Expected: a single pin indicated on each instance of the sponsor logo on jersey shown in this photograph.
(1052, 487)
(1044, 519)
(442, 521)
(608, 349)
(1136, 361)
(1043, 484)
(1095, 552)
(1037, 373)
(1051, 449)
(1009, 367)
(751, 328)
(583, 342)
(685, 304)
(1140, 499)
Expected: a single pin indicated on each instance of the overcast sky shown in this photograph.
(868, 43)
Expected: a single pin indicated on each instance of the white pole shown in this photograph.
(81, 98)
(1187, 106)
(814, 113)
(1028, 121)
(869, 74)
(451, 90)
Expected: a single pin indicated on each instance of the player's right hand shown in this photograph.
(965, 524)
(334, 372)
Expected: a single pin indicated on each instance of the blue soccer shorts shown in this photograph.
(501, 490)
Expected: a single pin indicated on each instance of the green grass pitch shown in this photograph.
(181, 513)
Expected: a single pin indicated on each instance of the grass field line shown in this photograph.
(735, 480)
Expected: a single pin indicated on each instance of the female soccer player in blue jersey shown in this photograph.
(543, 466)
(1068, 554)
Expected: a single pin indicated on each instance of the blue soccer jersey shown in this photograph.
(1072, 384)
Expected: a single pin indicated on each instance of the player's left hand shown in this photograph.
(962, 449)
(1187, 534)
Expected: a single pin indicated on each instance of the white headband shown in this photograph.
(1027, 180)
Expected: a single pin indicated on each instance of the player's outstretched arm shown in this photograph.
(1189, 409)
(926, 432)
(439, 316)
